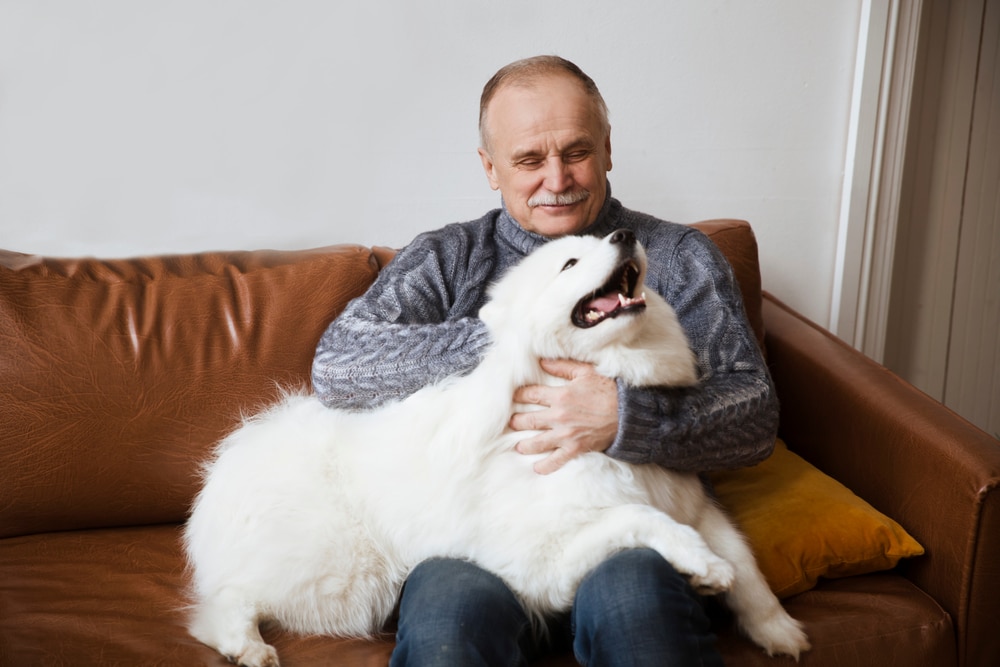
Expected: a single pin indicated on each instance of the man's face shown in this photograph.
(548, 154)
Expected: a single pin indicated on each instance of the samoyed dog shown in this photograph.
(312, 518)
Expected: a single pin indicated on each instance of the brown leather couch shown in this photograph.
(118, 377)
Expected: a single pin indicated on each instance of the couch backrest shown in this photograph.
(736, 240)
(119, 376)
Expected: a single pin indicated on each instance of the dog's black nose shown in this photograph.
(623, 236)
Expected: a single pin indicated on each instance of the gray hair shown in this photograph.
(525, 72)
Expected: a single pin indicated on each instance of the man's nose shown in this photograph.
(558, 177)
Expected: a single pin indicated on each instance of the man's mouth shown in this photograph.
(615, 297)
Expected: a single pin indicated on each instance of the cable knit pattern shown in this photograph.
(417, 324)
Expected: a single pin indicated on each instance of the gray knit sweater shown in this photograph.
(417, 324)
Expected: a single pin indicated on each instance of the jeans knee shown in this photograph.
(633, 580)
(454, 613)
(635, 608)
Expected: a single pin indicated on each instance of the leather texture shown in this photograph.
(906, 454)
(119, 376)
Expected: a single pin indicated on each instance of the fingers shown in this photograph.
(567, 369)
(557, 457)
(576, 417)
(525, 421)
(533, 394)
(538, 444)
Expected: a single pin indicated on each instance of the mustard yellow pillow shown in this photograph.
(803, 524)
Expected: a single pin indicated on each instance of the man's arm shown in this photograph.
(730, 418)
(401, 335)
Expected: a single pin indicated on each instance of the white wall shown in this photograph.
(131, 127)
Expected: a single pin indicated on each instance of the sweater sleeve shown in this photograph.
(730, 418)
(406, 331)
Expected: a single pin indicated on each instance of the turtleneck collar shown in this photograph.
(524, 241)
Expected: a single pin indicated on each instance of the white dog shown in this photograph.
(313, 517)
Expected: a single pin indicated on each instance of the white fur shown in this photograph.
(313, 517)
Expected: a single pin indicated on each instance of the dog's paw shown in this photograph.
(779, 634)
(708, 573)
(716, 576)
(257, 654)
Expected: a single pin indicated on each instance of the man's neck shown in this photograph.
(525, 241)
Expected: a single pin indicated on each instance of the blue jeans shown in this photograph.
(634, 609)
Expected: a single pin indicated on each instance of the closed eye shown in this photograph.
(577, 155)
(568, 264)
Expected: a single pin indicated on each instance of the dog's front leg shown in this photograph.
(633, 526)
(596, 535)
(758, 611)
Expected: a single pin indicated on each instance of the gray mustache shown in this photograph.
(563, 199)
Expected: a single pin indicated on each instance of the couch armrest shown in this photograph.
(906, 454)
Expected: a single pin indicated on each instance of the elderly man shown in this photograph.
(546, 146)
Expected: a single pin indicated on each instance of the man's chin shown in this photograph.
(564, 221)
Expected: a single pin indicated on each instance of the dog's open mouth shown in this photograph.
(615, 297)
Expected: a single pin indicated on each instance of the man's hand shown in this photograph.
(579, 417)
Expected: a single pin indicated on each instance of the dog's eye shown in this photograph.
(568, 264)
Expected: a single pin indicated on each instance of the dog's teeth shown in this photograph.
(629, 301)
(593, 315)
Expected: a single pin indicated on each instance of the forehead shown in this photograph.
(548, 109)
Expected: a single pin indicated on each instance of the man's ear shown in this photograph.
(489, 168)
(607, 148)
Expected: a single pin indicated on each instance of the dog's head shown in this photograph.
(583, 297)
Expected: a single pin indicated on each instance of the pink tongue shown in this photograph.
(605, 304)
